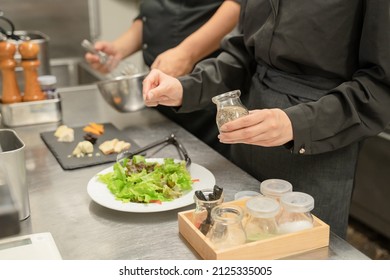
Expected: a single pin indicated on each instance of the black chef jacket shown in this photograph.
(346, 42)
(165, 24)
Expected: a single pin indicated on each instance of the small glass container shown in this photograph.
(275, 188)
(229, 107)
(227, 230)
(48, 86)
(245, 194)
(201, 216)
(241, 198)
(296, 212)
(262, 218)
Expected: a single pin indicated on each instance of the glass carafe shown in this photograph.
(229, 107)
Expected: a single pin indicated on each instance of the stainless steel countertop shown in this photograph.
(85, 230)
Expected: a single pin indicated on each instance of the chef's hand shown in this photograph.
(114, 57)
(162, 89)
(267, 128)
(174, 62)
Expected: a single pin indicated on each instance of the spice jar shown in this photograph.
(205, 201)
(296, 212)
(262, 218)
(48, 85)
(275, 188)
(229, 107)
(227, 230)
(245, 194)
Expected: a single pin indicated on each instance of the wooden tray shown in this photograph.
(269, 249)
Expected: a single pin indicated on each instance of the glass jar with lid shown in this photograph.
(48, 86)
(275, 188)
(243, 195)
(262, 218)
(229, 107)
(296, 212)
(227, 230)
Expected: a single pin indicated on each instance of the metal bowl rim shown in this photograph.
(121, 78)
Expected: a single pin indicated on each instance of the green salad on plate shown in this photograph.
(141, 181)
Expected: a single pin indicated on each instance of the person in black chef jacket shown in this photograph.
(174, 36)
(316, 78)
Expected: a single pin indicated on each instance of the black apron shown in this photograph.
(328, 177)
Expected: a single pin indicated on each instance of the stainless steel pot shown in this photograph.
(13, 170)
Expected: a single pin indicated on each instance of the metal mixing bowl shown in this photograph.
(123, 93)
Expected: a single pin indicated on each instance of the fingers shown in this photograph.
(268, 127)
(151, 81)
(159, 88)
(158, 95)
(91, 58)
(109, 49)
(246, 121)
(152, 90)
(100, 45)
(95, 63)
(241, 130)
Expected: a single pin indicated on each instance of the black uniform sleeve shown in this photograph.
(231, 70)
(357, 108)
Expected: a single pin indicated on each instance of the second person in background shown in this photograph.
(174, 36)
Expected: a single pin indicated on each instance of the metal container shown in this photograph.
(34, 112)
(123, 93)
(9, 214)
(13, 170)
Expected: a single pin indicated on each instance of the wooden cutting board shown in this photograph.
(63, 150)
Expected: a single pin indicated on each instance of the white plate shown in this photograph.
(99, 192)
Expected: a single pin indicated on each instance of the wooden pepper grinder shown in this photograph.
(30, 64)
(10, 92)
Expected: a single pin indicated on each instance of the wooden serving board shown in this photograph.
(63, 150)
